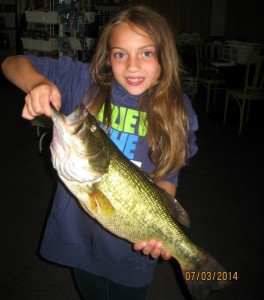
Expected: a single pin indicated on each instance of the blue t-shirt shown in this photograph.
(71, 236)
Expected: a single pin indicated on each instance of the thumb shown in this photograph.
(55, 99)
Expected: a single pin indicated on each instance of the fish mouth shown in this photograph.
(74, 155)
(65, 127)
(77, 116)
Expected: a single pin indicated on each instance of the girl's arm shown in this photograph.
(168, 187)
(40, 91)
(154, 247)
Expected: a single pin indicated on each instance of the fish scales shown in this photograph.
(132, 217)
(122, 198)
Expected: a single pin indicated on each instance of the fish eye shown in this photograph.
(93, 128)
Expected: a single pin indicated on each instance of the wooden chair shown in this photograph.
(253, 88)
(208, 76)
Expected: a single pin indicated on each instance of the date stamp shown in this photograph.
(207, 276)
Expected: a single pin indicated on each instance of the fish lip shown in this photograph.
(68, 123)
(60, 131)
(78, 114)
(55, 114)
(54, 110)
(57, 118)
(75, 116)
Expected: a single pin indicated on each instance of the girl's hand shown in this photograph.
(37, 101)
(153, 248)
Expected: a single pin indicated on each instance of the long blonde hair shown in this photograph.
(166, 117)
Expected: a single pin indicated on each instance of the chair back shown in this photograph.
(207, 53)
(254, 80)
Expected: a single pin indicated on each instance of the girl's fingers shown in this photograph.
(26, 114)
(38, 100)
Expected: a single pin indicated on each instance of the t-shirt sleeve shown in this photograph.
(71, 77)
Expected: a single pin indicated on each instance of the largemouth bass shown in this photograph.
(123, 199)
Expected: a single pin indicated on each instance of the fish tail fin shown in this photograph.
(208, 277)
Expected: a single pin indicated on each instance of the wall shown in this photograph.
(245, 20)
(218, 18)
(183, 15)
(237, 19)
(170, 9)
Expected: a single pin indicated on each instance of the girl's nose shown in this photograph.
(133, 64)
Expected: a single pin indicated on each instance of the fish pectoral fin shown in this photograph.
(93, 204)
(89, 204)
(176, 211)
(99, 202)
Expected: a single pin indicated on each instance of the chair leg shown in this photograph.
(41, 141)
(208, 97)
(242, 110)
(226, 106)
(215, 87)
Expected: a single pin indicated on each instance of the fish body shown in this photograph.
(121, 197)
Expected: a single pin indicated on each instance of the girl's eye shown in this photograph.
(119, 55)
(147, 54)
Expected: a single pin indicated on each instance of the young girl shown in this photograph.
(133, 86)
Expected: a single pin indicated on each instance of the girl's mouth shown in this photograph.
(134, 81)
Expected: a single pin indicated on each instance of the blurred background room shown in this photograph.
(220, 44)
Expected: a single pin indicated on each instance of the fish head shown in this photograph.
(78, 146)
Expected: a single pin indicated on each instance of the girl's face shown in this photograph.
(133, 59)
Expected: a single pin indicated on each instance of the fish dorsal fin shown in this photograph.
(176, 211)
(99, 203)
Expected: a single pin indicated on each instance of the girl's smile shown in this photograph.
(133, 59)
(135, 81)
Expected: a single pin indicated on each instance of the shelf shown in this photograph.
(50, 45)
(42, 17)
(75, 34)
